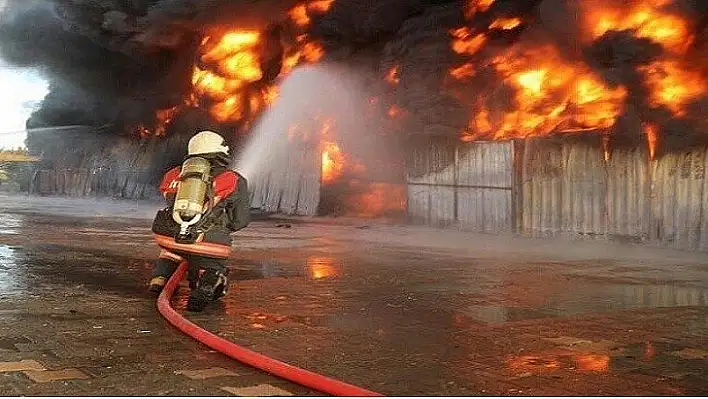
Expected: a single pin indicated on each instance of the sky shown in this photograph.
(21, 90)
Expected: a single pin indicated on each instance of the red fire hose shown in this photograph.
(243, 355)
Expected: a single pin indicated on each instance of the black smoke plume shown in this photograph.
(112, 63)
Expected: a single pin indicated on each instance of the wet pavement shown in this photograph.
(400, 310)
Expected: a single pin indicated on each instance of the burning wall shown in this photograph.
(633, 73)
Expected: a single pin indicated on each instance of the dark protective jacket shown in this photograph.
(231, 213)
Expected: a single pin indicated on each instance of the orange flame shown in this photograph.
(291, 61)
(673, 85)
(229, 109)
(652, 138)
(320, 5)
(480, 124)
(332, 162)
(231, 43)
(164, 118)
(230, 63)
(396, 112)
(313, 52)
(646, 19)
(467, 43)
(377, 199)
(392, 75)
(300, 14)
(474, 6)
(551, 94)
(463, 71)
(505, 23)
(554, 94)
(234, 63)
(142, 131)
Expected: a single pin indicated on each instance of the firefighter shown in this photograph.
(208, 201)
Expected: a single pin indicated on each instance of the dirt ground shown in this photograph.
(400, 310)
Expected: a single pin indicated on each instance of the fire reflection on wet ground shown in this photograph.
(321, 267)
(540, 363)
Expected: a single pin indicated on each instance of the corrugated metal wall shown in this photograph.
(679, 200)
(543, 187)
(292, 187)
(568, 187)
(87, 182)
(628, 194)
(469, 186)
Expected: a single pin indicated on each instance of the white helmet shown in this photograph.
(207, 142)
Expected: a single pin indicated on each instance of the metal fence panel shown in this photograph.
(309, 195)
(433, 165)
(568, 187)
(543, 178)
(484, 210)
(442, 205)
(628, 194)
(678, 199)
(486, 164)
(291, 188)
(418, 203)
(469, 186)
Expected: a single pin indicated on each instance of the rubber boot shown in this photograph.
(157, 284)
(210, 287)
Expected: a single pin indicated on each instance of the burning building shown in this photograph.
(527, 116)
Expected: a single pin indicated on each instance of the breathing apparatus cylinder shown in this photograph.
(194, 181)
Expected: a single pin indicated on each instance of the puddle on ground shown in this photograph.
(322, 267)
(656, 359)
(11, 223)
(596, 298)
(314, 268)
(539, 363)
(248, 270)
(10, 280)
(663, 359)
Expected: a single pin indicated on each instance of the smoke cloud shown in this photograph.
(115, 62)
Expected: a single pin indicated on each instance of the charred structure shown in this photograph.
(631, 74)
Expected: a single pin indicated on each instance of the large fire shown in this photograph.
(235, 63)
(554, 94)
(550, 94)
(516, 90)
(231, 62)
